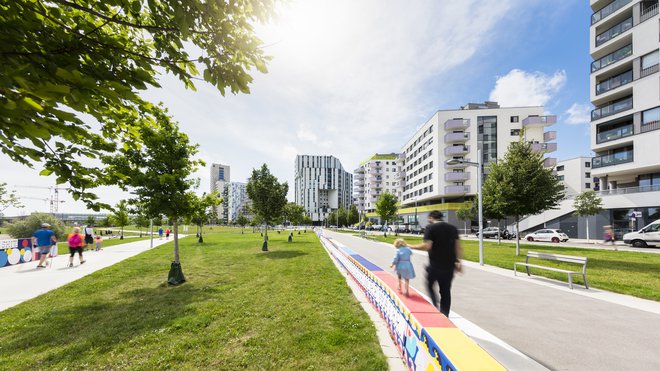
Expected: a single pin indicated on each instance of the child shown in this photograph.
(98, 243)
(404, 268)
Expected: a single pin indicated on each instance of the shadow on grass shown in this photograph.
(72, 332)
(282, 254)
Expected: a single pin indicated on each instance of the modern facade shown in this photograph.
(220, 178)
(378, 174)
(576, 175)
(321, 185)
(457, 134)
(238, 202)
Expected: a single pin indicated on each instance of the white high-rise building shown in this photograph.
(321, 185)
(237, 201)
(378, 174)
(428, 180)
(576, 175)
(625, 124)
(219, 183)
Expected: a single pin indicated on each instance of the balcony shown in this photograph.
(614, 134)
(401, 174)
(612, 108)
(614, 31)
(457, 137)
(648, 10)
(550, 162)
(358, 176)
(648, 71)
(539, 120)
(653, 125)
(549, 136)
(359, 170)
(456, 150)
(544, 147)
(457, 190)
(457, 124)
(607, 10)
(616, 158)
(614, 82)
(611, 58)
(457, 177)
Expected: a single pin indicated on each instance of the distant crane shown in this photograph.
(45, 200)
(54, 197)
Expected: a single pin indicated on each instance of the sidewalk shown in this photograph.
(557, 327)
(22, 282)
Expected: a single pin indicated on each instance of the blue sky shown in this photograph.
(351, 78)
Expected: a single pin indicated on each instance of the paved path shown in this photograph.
(22, 282)
(560, 328)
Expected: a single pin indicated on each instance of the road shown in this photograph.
(561, 329)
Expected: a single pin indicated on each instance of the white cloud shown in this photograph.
(579, 114)
(520, 88)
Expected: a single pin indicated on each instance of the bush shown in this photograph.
(25, 228)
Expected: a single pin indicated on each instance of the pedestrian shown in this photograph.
(167, 234)
(89, 236)
(608, 235)
(445, 251)
(99, 240)
(76, 241)
(43, 239)
(160, 233)
(404, 268)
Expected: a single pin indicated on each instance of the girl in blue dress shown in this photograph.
(404, 267)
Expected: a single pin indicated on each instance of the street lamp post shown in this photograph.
(480, 166)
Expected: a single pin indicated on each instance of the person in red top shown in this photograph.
(167, 234)
(76, 242)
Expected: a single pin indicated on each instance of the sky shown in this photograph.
(353, 78)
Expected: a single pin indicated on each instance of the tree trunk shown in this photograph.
(499, 225)
(264, 247)
(465, 227)
(587, 228)
(122, 233)
(517, 236)
(201, 231)
(176, 242)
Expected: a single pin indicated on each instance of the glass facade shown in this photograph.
(487, 138)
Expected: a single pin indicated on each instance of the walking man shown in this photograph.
(89, 236)
(445, 251)
(43, 239)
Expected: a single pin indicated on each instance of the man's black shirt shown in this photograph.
(442, 255)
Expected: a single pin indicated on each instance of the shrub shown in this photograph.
(24, 228)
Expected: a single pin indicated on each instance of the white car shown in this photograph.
(552, 235)
(647, 236)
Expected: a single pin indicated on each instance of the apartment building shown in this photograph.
(237, 201)
(429, 183)
(321, 185)
(220, 178)
(625, 122)
(576, 175)
(378, 174)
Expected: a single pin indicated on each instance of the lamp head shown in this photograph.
(453, 161)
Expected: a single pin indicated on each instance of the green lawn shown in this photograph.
(631, 273)
(286, 309)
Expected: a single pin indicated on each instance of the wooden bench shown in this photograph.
(559, 258)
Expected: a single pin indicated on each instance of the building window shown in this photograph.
(651, 116)
(560, 177)
(587, 185)
(515, 132)
(587, 164)
(514, 118)
(487, 138)
(649, 63)
(560, 168)
(587, 175)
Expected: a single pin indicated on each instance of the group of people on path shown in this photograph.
(160, 233)
(44, 240)
(445, 254)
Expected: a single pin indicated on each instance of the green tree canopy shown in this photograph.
(8, 199)
(353, 215)
(72, 72)
(120, 216)
(203, 210)
(586, 204)
(242, 220)
(294, 213)
(519, 185)
(24, 228)
(386, 207)
(268, 197)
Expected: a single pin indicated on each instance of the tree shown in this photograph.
(268, 197)
(158, 173)
(467, 212)
(24, 228)
(8, 199)
(353, 215)
(307, 220)
(63, 58)
(586, 204)
(386, 207)
(342, 216)
(120, 216)
(90, 220)
(294, 213)
(331, 218)
(203, 211)
(520, 185)
(140, 219)
(242, 220)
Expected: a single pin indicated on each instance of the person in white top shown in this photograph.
(89, 236)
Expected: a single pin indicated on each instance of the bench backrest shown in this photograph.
(557, 257)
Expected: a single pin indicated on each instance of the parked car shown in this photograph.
(492, 232)
(553, 235)
(647, 236)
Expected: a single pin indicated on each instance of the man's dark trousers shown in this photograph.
(443, 278)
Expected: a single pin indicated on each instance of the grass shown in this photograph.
(240, 309)
(631, 273)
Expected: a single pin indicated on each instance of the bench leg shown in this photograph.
(515, 269)
(585, 281)
(527, 270)
(570, 281)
